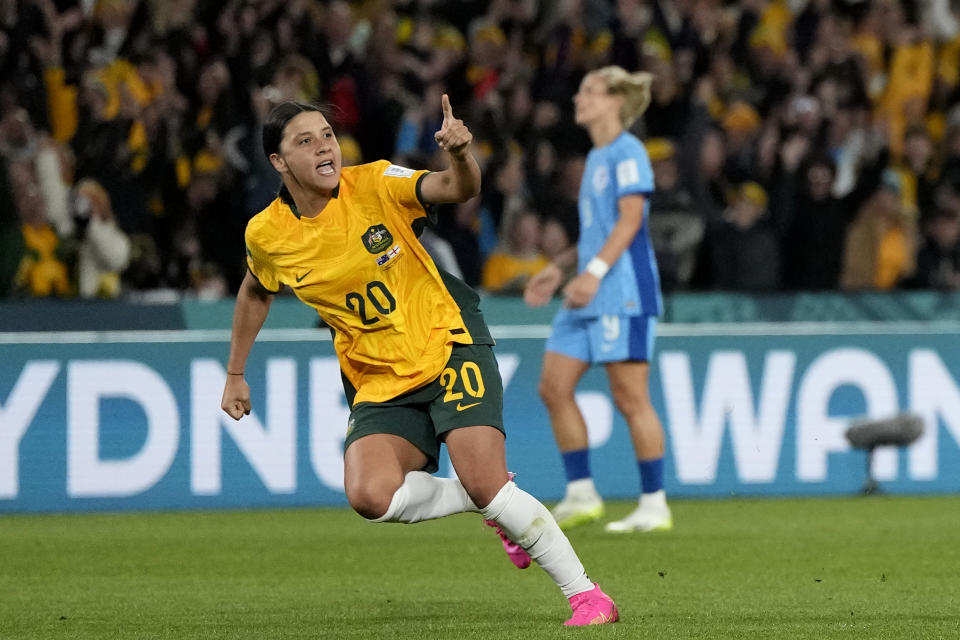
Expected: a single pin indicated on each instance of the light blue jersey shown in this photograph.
(632, 286)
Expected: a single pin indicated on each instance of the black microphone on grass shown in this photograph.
(900, 430)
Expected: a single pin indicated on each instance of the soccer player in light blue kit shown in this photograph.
(611, 305)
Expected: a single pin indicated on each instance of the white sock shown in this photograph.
(529, 524)
(425, 497)
(655, 500)
(581, 488)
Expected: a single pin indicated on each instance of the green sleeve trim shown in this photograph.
(431, 210)
(419, 189)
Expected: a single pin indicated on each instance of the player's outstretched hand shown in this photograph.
(541, 287)
(236, 397)
(453, 137)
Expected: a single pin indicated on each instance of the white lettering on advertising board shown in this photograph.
(90, 381)
(756, 430)
(934, 396)
(753, 410)
(16, 415)
(270, 449)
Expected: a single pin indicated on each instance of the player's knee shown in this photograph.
(482, 491)
(553, 393)
(632, 403)
(371, 499)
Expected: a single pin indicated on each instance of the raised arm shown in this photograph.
(249, 314)
(461, 180)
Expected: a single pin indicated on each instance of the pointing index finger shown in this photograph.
(447, 110)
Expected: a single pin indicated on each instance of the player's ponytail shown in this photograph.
(633, 87)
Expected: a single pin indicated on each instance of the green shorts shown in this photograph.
(468, 393)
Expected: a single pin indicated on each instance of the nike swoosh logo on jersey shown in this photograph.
(299, 278)
(463, 407)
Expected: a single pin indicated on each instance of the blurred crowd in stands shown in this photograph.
(796, 145)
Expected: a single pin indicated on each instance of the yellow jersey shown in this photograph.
(360, 264)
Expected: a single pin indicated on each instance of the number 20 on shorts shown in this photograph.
(472, 381)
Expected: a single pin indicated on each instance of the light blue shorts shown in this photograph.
(603, 339)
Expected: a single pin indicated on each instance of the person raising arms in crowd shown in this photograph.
(415, 353)
(611, 305)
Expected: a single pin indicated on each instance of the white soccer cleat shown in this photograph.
(642, 519)
(581, 505)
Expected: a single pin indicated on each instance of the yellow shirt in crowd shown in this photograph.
(504, 272)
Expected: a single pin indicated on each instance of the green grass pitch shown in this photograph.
(878, 567)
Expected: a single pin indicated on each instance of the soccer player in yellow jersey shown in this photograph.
(416, 356)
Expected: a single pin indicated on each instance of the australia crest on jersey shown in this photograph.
(377, 239)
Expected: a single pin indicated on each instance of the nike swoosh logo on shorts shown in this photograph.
(299, 278)
(463, 407)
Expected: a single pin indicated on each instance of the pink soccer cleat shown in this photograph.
(592, 607)
(519, 557)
